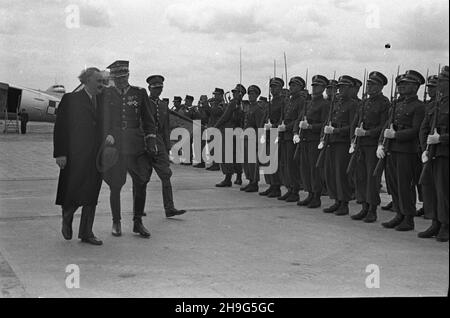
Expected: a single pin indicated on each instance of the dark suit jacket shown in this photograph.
(76, 135)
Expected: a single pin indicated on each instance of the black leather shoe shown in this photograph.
(315, 202)
(343, 209)
(274, 194)
(252, 188)
(214, 167)
(173, 212)
(362, 214)
(388, 207)
(293, 197)
(66, 229)
(244, 187)
(284, 196)
(238, 180)
(432, 231)
(266, 193)
(406, 225)
(306, 201)
(371, 215)
(394, 222)
(116, 229)
(199, 165)
(92, 240)
(140, 229)
(224, 184)
(332, 208)
(443, 233)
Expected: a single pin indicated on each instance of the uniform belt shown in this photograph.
(127, 124)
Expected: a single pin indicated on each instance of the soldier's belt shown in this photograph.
(129, 124)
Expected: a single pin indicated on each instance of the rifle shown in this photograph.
(300, 130)
(425, 88)
(324, 141)
(430, 151)
(354, 146)
(387, 142)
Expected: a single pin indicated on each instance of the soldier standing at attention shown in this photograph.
(216, 111)
(231, 118)
(439, 160)
(129, 126)
(160, 163)
(337, 156)
(201, 112)
(307, 133)
(253, 119)
(372, 114)
(276, 106)
(290, 170)
(408, 115)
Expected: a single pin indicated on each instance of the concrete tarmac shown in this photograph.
(229, 244)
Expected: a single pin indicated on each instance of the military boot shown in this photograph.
(388, 207)
(238, 180)
(307, 200)
(285, 196)
(332, 208)
(443, 233)
(343, 209)
(371, 215)
(116, 229)
(244, 187)
(275, 193)
(226, 182)
(315, 202)
(362, 214)
(266, 193)
(406, 225)
(433, 230)
(394, 222)
(139, 228)
(252, 187)
(293, 197)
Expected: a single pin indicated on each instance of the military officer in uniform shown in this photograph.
(231, 118)
(439, 159)
(307, 136)
(176, 102)
(273, 119)
(160, 162)
(289, 166)
(253, 119)
(336, 155)
(216, 111)
(200, 112)
(367, 125)
(186, 111)
(130, 127)
(355, 89)
(403, 134)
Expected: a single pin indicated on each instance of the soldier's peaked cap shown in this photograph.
(412, 76)
(219, 91)
(332, 83)
(276, 81)
(443, 75)
(177, 99)
(432, 80)
(357, 82)
(320, 80)
(241, 88)
(189, 97)
(155, 81)
(254, 88)
(346, 80)
(298, 80)
(119, 68)
(378, 78)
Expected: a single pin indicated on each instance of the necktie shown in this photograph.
(94, 102)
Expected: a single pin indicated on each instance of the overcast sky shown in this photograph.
(195, 43)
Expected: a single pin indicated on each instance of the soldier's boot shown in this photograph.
(420, 212)
(266, 193)
(139, 228)
(252, 187)
(199, 165)
(214, 167)
(371, 215)
(443, 233)
(333, 208)
(275, 193)
(244, 187)
(307, 200)
(315, 202)
(285, 196)
(343, 209)
(433, 230)
(362, 214)
(394, 222)
(116, 228)
(293, 197)
(406, 225)
(226, 182)
(388, 207)
(238, 180)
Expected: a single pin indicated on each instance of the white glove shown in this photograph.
(360, 132)
(380, 152)
(282, 127)
(303, 124)
(425, 156)
(267, 126)
(296, 139)
(328, 130)
(109, 140)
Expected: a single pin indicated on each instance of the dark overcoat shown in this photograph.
(76, 136)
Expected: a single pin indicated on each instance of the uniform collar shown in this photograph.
(126, 89)
(408, 99)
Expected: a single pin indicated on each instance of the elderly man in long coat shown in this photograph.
(76, 141)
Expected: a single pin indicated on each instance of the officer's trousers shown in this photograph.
(161, 165)
(440, 176)
(311, 176)
(367, 186)
(337, 180)
(400, 173)
(289, 167)
(234, 166)
(251, 169)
